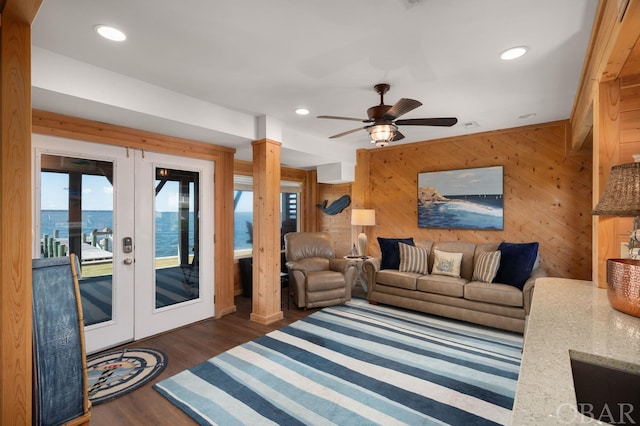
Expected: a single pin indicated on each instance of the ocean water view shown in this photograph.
(463, 212)
(166, 227)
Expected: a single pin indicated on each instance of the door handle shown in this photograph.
(128, 261)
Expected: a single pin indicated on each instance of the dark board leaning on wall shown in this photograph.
(58, 344)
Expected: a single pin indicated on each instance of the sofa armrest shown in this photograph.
(527, 290)
(370, 267)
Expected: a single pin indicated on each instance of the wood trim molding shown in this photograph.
(54, 124)
(606, 155)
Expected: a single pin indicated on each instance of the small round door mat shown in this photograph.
(115, 373)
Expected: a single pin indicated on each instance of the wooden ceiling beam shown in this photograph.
(616, 30)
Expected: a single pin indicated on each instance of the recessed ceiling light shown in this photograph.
(470, 124)
(530, 115)
(513, 53)
(302, 111)
(110, 33)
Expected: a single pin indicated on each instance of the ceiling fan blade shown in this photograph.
(348, 132)
(333, 117)
(444, 121)
(398, 136)
(402, 107)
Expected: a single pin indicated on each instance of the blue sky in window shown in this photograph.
(97, 193)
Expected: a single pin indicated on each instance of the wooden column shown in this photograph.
(266, 232)
(606, 153)
(15, 212)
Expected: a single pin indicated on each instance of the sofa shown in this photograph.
(469, 282)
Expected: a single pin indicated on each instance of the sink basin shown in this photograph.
(606, 390)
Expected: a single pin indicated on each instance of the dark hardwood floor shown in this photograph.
(185, 348)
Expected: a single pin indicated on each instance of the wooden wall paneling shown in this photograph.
(630, 126)
(606, 154)
(547, 193)
(360, 192)
(338, 225)
(16, 370)
(266, 232)
(310, 203)
(224, 237)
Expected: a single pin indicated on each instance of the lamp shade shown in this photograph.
(363, 217)
(621, 197)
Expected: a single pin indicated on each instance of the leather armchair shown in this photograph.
(316, 277)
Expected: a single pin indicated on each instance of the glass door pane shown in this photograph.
(76, 216)
(177, 236)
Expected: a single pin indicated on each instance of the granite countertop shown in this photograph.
(568, 315)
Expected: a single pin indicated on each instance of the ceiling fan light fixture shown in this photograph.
(382, 134)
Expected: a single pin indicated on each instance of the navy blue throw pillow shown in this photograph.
(391, 251)
(516, 263)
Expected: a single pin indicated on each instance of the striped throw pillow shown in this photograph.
(486, 268)
(413, 259)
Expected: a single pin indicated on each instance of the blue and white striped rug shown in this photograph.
(357, 364)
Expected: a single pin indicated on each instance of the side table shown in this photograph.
(360, 277)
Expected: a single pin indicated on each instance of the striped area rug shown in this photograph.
(357, 364)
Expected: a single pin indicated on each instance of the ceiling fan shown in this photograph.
(383, 122)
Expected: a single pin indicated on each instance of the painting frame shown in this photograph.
(470, 198)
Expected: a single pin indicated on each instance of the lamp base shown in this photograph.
(623, 285)
(362, 244)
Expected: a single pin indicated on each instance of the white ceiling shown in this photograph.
(206, 69)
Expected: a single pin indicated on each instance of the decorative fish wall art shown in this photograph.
(336, 207)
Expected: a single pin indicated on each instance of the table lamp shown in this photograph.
(362, 218)
(621, 197)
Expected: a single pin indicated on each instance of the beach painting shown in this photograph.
(461, 199)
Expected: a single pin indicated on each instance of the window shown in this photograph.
(243, 212)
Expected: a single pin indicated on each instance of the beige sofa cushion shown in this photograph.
(499, 294)
(395, 278)
(442, 284)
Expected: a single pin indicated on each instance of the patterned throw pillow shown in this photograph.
(487, 264)
(413, 259)
(446, 263)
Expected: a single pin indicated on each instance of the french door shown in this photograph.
(140, 222)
